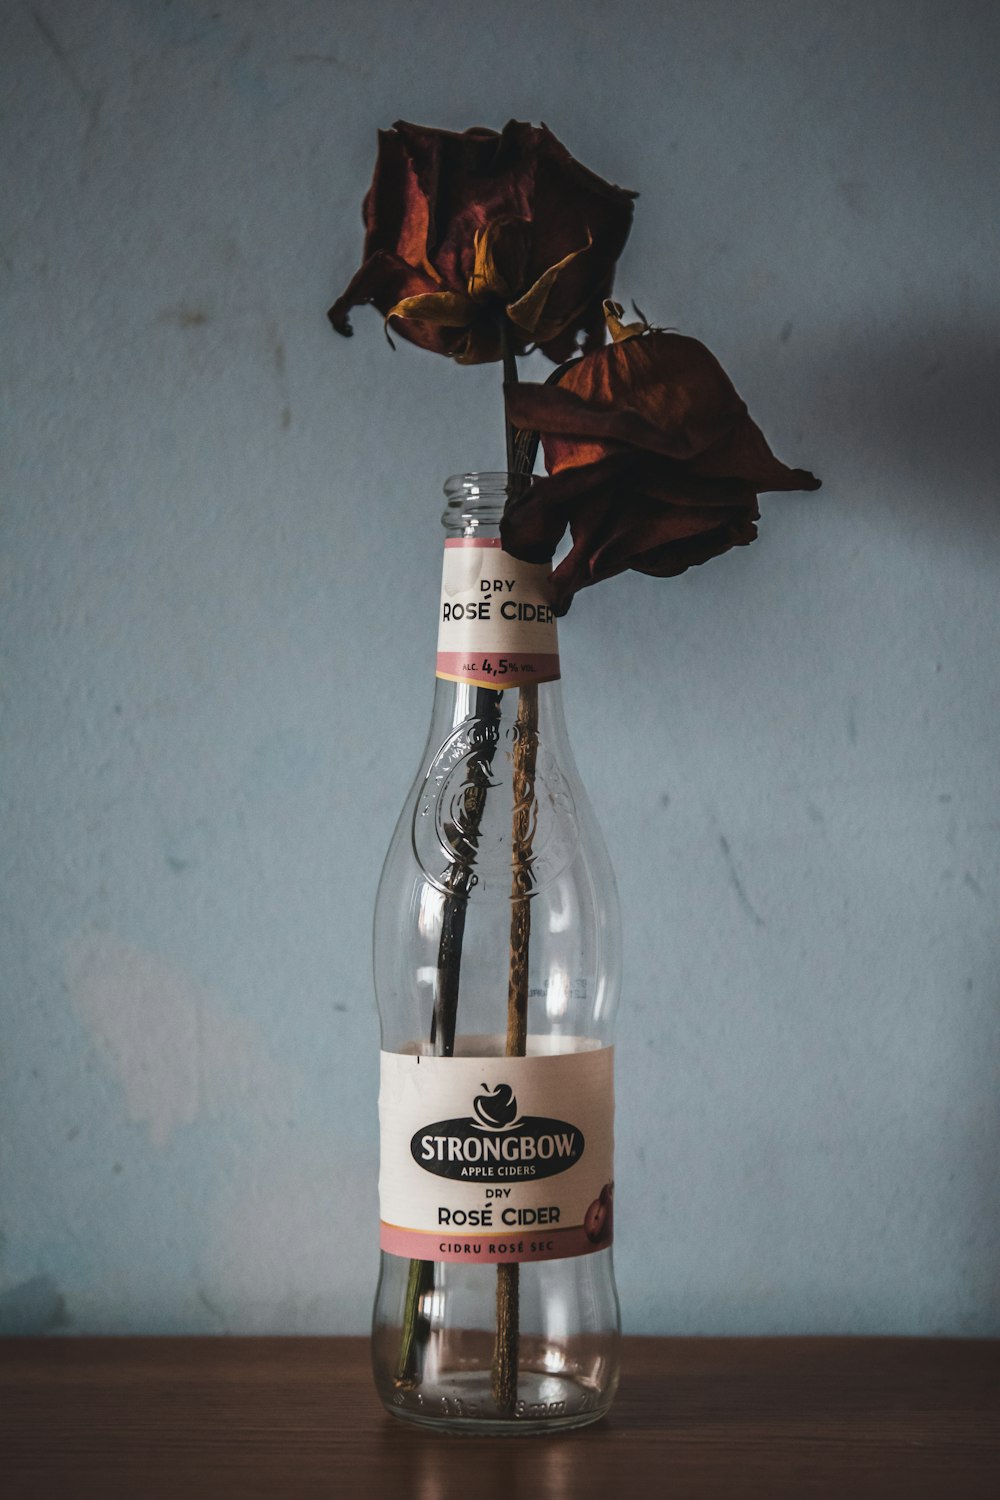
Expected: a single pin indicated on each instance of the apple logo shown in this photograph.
(497, 1108)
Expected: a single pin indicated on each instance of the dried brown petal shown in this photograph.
(501, 253)
(445, 309)
(528, 313)
(655, 463)
(619, 331)
(489, 215)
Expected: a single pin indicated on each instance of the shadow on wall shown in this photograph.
(923, 402)
(986, 1227)
(928, 403)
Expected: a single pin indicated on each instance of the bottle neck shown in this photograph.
(496, 626)
(456, 703)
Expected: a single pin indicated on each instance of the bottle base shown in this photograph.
(463, 1402)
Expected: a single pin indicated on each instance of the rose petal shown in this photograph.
(738, 531)
(435, 194)
(444, 309)
(383, 280)
(654, 464)
(745, 451)
(556, 410)
(480, 346)
(500, 257)
(533, 523)
(396, 211)
(571, 203)
(671, 502)
(641, 534)
(663, 393)
(619, 331)
(528, 313)
(468, 179)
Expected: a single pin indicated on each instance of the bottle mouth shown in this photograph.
(475, 499)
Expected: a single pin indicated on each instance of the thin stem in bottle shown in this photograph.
(444, 1020)
(521, 449)
(461, 877)
(505, 1353)
(510, 378)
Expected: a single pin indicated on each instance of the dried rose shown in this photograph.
(463, 230)
(655, 462)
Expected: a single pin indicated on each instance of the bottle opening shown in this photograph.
(474, 499)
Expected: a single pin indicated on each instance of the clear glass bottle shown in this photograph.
(497, 963)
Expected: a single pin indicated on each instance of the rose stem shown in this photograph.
(459, 881)
(525, 754)
(505, 1349)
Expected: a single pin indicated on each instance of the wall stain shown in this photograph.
(855, 195)
(174, 1050)
(55, 46)
(331, 60)
(279, 361)
(737, 884)
(183, 316)
(32, 1307)
(91, 99)
(210, 1306)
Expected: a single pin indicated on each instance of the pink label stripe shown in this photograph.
(472, 541)
(490, 1249)
(522, 667)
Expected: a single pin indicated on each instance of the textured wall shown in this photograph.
(220, 574)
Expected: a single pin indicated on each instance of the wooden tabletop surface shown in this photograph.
(762, 1418)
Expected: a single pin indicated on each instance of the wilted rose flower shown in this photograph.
(462, 230)
(655, 463)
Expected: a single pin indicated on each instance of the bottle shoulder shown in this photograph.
(459, 812)
(483, 844)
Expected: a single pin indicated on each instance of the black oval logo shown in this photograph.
(468, 1151)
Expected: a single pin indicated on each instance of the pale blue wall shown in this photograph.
(219, 579)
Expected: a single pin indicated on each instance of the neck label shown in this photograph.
(496, 627)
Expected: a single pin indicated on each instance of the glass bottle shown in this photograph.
(497, 962)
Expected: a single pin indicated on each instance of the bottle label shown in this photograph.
(496, 627)
(488, 1159)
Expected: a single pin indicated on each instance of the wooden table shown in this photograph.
(762, 1418)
